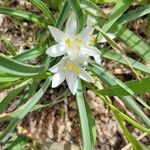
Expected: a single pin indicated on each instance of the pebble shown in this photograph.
(72, 114)
(73, 133)
(91, 95)
(73, 105)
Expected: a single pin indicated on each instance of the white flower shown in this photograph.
(74, 45)
(66, 69)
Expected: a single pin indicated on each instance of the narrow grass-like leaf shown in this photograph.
(23, 15)
(133, 41)
(118, 10)
(109, 79)
(92, 8)
(119, 49)
(136, 145)
(84, 123)
(24, 111)
(39, 4)
(5, 77)
(12, 50)
(135, 14)
(12, 94)
(139, 87)
(18, 68)
(125, 117)
(119, 58)
(79, 14)
(123, 86)
(92, 125)
(63, 15)
(30, 54)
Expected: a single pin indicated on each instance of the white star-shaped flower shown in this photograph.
(74, 45)
(66, 69)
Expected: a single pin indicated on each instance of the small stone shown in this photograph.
(72, 114)
(112, 141)
(104, 118)
(22, 2)
(74, 133)
(73, 105)
(91, 95)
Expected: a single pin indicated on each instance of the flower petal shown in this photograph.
(86, 33)
(58, 78)
(71, 25)
(92, 51)
(57, 34)
(103, 40)
(56, 50)
(58, 66)
(72, 81)
(85, 76)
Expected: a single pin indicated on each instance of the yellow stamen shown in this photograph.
(69, 43)
(73, 67)
(77, 40)
(75, 70)
(65, 68)
(78, 48)
(93, 40)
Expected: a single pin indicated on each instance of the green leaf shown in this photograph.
(79, 14)
(18, 143)
(9, 46)
(106, 53)
(23, 15)
(123, 86)
(110, 79)
(92, 125)
(117, 11)
(125, 117)
(92, 8)
(5, 77)
(133, 41)
(63, 15)
(135, 14)
(136, 145)
(30, 54)
(39, 4)
(18, 68)
(12, 94)
(84, 122)
(139, 87)
(24, 110)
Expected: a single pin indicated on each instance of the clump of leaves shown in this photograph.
(16, 73)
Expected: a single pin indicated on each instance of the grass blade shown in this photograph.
(109, 79)
(84, 122)
(24, 111)
(118, 10)
(23, 15)
(106, 53)
(79, 14)
(12, 94)
(18, 68)
(39, 4)
(139, 87)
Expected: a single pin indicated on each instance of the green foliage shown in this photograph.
(16, 75)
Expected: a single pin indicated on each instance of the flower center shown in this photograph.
(68, 43)
(74, 43)
(73, 67)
